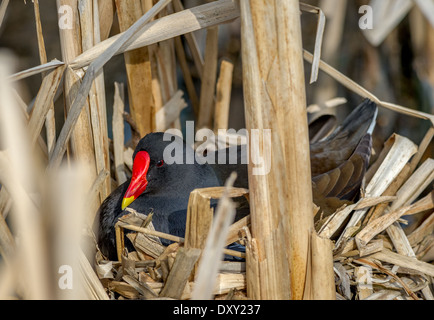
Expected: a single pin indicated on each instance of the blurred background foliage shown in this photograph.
(400, 69)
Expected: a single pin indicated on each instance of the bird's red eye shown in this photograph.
(160, 163)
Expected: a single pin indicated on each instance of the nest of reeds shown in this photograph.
(380, 246)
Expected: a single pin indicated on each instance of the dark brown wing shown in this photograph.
(339, 163)
(344, 181)
(328, 154)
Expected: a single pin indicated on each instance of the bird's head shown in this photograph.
(152, 171)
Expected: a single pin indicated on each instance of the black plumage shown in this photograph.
(339, 163)
(166, 194)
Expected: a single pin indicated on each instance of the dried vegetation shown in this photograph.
(380, 247)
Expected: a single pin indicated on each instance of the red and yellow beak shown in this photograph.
(138, 180)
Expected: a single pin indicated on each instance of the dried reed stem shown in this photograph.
(210, 261)
(81, 136)
(96, 94)
(323, 284)
(207, 89)
(36, 70)
(138, 68)
(223, 95)
(44, 102)
(275, 99)
(50, 124)
(99, 86)
(118, 133)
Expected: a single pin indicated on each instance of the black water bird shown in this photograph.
(338, 165)
(157, 186)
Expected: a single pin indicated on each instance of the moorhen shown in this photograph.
(154, 186)
(338, 162)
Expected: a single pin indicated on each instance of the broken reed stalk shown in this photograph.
(50, 124)
(412, 188)
(118, 133)
(207, 89)
(169, 113)
(323, 285)
(89, 26)
(405, 172)
(281, 201)
(401, 151)
(82, 144)
(210, 261)
(199, 219)
(180, 272)
(35, 70)
(43, 102)
(223, 95)
(138, 67)
(101, 105)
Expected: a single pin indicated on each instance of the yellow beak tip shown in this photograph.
(127, 201)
